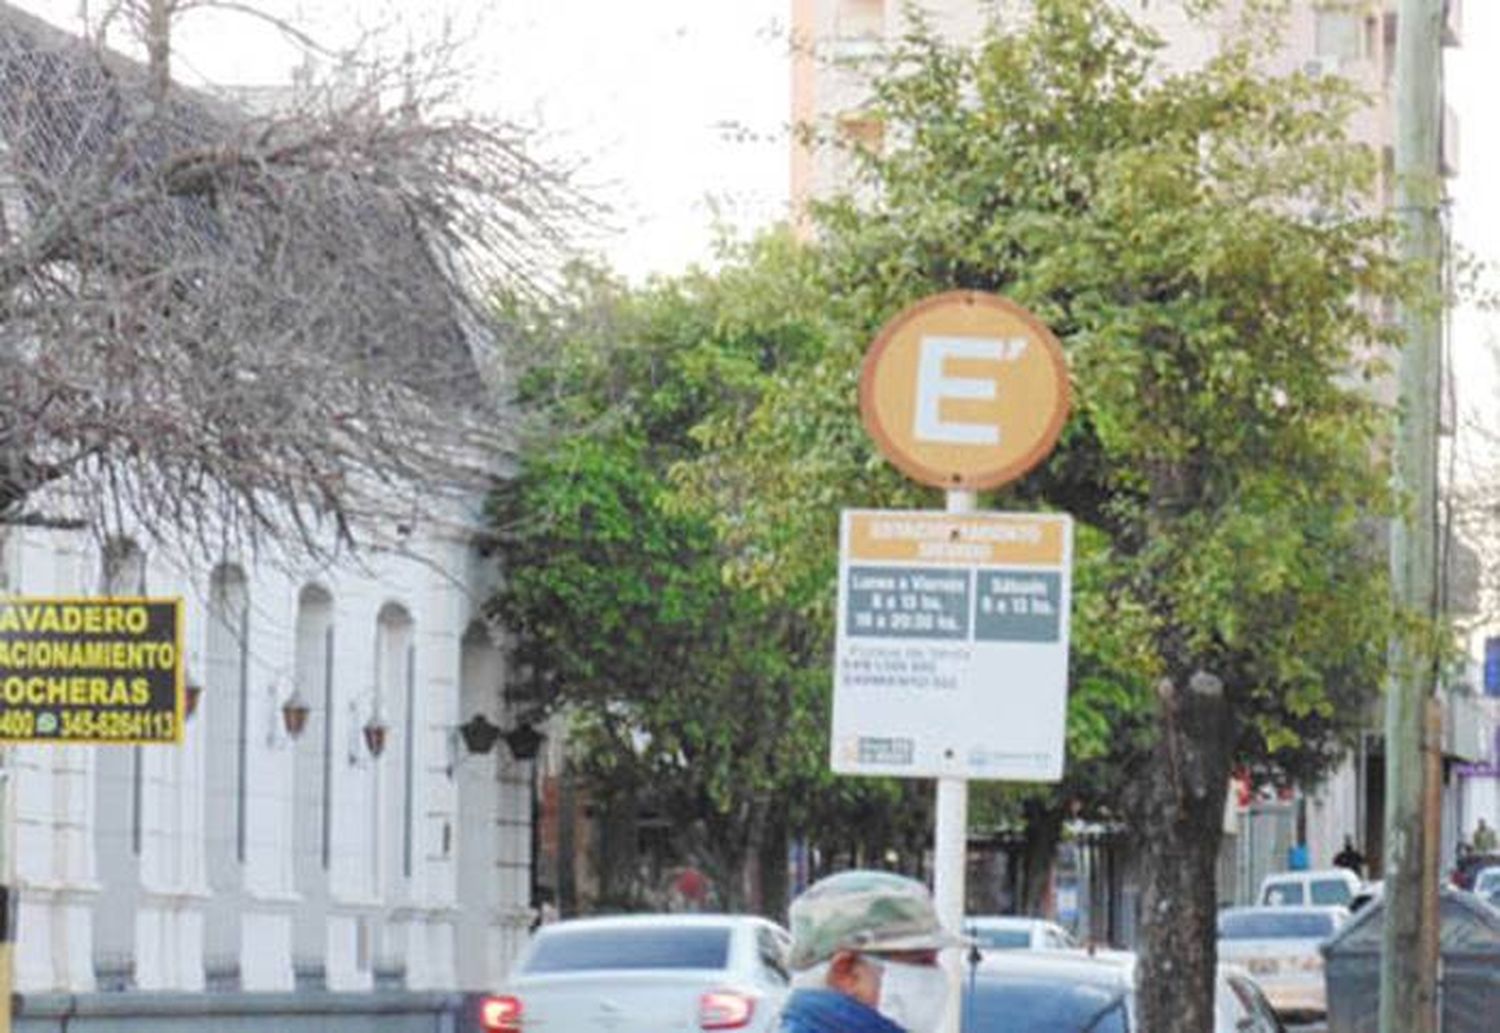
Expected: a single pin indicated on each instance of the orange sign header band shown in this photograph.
(957, 540)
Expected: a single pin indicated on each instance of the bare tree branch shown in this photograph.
(230, 323)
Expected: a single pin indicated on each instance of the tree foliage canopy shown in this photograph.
(1206, 246)
(695, 698)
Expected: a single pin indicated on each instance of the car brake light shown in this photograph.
(725, 1009)
(500, 1014)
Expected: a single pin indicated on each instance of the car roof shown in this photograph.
(1315, 873)
(1113, 968)
(1006, 921)
(1287, 911)
(660, 921)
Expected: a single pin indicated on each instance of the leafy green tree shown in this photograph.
(695, 699)
(1203, 244)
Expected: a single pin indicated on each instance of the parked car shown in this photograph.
(1017, 932)
(1278, 946)
(1469, 866)
(1325, 887)
(646, 974)
(1493, 898)
(1487, 880)
(1077, 992)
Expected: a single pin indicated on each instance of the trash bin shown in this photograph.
(1468, 970)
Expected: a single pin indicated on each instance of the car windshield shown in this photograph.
(665, 947)
(1334, 892)
(1031, 1004)
(1274, 925)
(1283, 893)
(1001, 939)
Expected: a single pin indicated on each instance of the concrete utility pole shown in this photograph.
(1407, 977)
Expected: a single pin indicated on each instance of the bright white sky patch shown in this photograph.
(642, 92)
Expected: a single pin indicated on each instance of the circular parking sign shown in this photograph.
(964, 390)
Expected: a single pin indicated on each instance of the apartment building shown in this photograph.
(1351, 38)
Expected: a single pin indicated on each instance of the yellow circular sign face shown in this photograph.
(964, 390)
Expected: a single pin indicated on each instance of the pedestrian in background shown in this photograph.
(866, 957)
(1350, 858)
(1484, 838)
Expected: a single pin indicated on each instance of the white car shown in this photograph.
(1078, 992)
(1278, 946)
(1326, 887)
(646, 974)
(1487, 881)
(1016, 932)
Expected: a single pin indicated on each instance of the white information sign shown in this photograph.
(952, 655)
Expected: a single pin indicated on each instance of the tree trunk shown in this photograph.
(750, 870)
(775, 883)
(618, 854)
(1180, 816)
(1039, 854)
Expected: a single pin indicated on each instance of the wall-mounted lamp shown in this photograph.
(191, 691)
(524, 741)
(294, 714)
(479, 735)
(374, 732)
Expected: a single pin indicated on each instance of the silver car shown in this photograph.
(1017, 932)
(646, 974)
(1279, 947)
(1082, 992)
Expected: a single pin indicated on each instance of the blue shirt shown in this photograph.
(828, 1011)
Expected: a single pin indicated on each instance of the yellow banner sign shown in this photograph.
(91, 670)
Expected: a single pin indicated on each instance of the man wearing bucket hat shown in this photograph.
(865, 956)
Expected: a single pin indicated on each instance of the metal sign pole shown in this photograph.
(950, 841)
(907, 599)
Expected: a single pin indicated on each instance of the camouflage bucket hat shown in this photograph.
(864, 911)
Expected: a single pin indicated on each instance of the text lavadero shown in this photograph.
(91, 670)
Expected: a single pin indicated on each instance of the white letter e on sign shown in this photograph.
(933, 386)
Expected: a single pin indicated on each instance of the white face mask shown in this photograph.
(914, 997)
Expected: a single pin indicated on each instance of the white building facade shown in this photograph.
(371, 851)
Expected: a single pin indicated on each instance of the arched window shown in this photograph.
(494, 826)
(117, 810)
(395, 687)
(312, 790)
(395, 696)
(225, 707)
